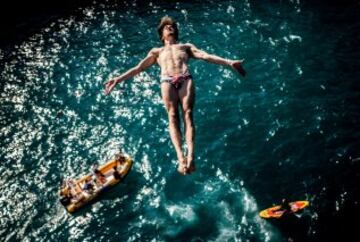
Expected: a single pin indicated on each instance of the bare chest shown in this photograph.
(173, 54)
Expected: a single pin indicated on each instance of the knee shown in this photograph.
(188, 115)
(173, 114)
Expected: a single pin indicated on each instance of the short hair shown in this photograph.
(166, 20)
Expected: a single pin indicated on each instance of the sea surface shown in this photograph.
(290, 129)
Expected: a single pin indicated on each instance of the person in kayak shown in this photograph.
(177, 85)
(285, 206)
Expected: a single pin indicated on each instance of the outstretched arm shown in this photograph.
(200, 54)
(149, 60)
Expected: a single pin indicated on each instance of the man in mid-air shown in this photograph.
(177, 85)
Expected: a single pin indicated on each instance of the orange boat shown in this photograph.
(75, 196)
(277, 212)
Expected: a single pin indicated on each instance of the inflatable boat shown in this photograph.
(76, 193)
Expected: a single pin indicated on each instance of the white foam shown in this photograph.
(183, 212)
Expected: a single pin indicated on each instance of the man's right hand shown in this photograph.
(109, 86)
(237, 66)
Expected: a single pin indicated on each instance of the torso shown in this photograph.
(173, 59)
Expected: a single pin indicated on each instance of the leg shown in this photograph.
(171, 101)
(187, 99)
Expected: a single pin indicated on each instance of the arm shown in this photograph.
(149, 60)
(202, 55)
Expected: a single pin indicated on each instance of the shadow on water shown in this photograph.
(182, 190)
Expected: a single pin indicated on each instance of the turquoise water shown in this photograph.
(289, 129)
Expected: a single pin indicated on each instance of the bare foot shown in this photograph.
(237, 66)
(190, 166)
(182, 167)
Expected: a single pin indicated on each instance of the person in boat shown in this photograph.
(88, 186)
(65, 197)
(99, 176)
(120, 159)
(177, 85)
(116, 173)
(120, 162)
(70, 186)
(68, 193)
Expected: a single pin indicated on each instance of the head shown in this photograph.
(168, 29)
(120, 158)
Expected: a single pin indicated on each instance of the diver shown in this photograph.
(177, 85)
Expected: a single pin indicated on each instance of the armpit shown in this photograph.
(189, 50)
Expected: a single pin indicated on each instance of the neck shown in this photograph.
(170, 41)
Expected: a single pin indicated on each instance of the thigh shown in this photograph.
(170, 96)
(187, 95)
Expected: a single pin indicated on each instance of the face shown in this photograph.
(168, 30)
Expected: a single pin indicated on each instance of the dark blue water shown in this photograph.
(289, 129)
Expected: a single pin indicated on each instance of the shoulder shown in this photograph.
(155, 51)
(190, 49)
(189, 45)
